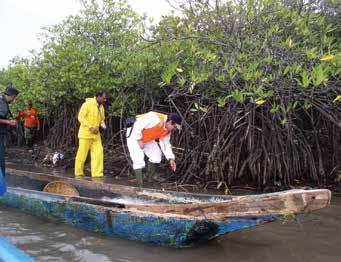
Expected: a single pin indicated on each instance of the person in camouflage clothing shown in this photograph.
(5, 99)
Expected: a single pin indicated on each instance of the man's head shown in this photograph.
(11, 93)
(30, 105)
(101, 96)
(173, 122)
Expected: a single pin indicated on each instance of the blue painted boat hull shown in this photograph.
(10, 253)
(165, 230)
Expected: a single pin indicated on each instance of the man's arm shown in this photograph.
(8, 122)
(3, 110)
(82, 115)
(166, 147)
(4, 121)
(3, 115)
(102, 124)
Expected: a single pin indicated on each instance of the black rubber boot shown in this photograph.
(151, 172)
(139, 176)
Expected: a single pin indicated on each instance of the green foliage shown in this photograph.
(238, 96)
(169, 72)
(84, 53)
(264, 60)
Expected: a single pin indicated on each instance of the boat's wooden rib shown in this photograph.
(164, 218)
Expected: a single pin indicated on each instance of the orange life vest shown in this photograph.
(155, 132)
(30, 117)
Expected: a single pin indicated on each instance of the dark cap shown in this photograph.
(11, 91)
(176, 119)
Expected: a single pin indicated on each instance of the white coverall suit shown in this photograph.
(151, 149)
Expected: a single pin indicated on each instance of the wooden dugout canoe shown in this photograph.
(159, 217)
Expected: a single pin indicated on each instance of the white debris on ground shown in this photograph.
(53, 158)
(57, 157)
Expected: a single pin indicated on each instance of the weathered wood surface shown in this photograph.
(211, 206)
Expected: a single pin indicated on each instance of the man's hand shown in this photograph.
(172, 164)
(141, 144)
(38, 128)
(94, 130)
(12, 122)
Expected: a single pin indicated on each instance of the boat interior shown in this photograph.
(107, 194)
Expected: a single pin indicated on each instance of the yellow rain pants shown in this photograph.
(90, 115)
(96, 154)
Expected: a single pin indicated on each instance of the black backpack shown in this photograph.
(129, 122)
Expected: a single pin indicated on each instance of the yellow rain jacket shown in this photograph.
(90, 115)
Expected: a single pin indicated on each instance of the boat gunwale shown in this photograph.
(108, 186)
(39, 195)
(203, 208)
(112, 188)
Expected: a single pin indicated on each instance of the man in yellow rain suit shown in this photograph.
(91, 118)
